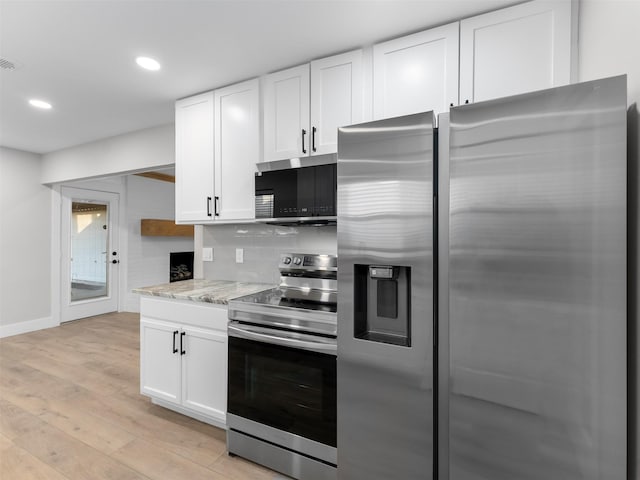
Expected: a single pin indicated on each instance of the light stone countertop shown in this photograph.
(208, 291)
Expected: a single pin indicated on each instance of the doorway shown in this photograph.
(89, 258)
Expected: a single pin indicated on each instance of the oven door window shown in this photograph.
(286, 388)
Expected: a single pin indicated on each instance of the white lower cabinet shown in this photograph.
(183, 357)
(204, 389)
(160, 372)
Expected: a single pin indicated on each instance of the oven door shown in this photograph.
(282, 388)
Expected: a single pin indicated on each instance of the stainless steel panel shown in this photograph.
(285, 338)
(538, 286)
(310, 289)
(385, 391)
(300, 162)
(300, 221)
(279, 459)
(298, 319)
(284, 439)
(443, 296)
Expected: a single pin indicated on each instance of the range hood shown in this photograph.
(297, 191)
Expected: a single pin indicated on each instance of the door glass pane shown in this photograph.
(89, 248)
(286, 388)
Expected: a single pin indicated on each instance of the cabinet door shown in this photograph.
(416, 73)
(236, 150)
(204, 372)
(159, 364)
(194, 159)
(336, 98)
(286, 114)
(515, 50)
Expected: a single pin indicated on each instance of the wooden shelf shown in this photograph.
(164, 228)
(158, 176)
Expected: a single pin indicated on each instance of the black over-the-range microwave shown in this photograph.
(302, 195)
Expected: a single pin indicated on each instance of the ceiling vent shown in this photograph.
(6, 64)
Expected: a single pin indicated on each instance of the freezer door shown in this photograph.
(385, 299)
(537, 278)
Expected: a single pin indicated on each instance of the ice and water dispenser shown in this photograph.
(382, 304)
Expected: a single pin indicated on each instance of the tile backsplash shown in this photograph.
(262, 245)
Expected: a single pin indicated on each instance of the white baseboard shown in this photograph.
(131, 304)
(28, 326)
(220, 422)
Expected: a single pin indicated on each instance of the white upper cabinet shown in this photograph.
(194, 159)
(286, 113)
(217, 147)
(336, 99)
(237, 110)
(304, 106)
(416, 73)
(515, 50)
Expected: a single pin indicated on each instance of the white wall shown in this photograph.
(262, 245)
(148, 257)
(609, 45)
(25, 244)
(135, 151)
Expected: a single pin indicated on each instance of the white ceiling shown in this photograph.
(79, 55)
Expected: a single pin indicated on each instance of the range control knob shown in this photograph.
(297, 260)
(286, 260)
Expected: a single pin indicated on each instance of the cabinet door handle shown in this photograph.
(175, 350)
(182, 351)
(313, 138)
(208, 206)
(304, 132)
(215, 206)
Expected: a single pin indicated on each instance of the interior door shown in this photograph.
(89, 256)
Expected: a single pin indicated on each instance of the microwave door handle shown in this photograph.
(240, 332)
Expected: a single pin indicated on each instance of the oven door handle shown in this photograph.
(248, 333)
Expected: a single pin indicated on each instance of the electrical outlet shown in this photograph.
(239, 255)
(207, 254)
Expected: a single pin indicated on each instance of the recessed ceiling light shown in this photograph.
(148, 63)
(39, 104)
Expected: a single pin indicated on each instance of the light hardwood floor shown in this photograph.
(70, 408)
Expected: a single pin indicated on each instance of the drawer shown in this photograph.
(199, 314)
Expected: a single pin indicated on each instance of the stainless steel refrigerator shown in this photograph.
(482, 300)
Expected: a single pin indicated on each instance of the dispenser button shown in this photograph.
(286, 260)
(381, 272)
(297, 260)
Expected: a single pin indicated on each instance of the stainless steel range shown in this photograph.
(282, 371)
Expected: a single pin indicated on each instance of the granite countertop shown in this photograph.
(209, 291)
